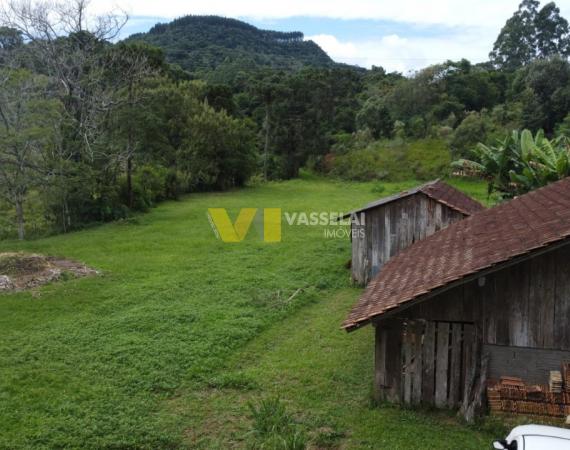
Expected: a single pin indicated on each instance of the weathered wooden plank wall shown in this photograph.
(436, 358)
(441, 363)
(525, 305)
(521, 313)
(388, 361)
(390, 228)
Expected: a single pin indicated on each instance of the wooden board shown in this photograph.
(428, 364)
(388, 360)
(379, 363)
(469, 361)
(418, 327)
(562, 300)
(441, 368)
(455, 365)
(407, 369)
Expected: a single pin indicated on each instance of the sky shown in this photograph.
(399, 35)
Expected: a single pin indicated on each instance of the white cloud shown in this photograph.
(445, 12)
(396, 53)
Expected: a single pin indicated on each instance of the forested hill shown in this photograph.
(206, 44)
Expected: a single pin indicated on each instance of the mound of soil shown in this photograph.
(20, 271)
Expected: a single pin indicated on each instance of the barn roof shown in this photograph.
(437, 190)
(483, 242)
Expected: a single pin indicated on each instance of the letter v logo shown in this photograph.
(227, 231)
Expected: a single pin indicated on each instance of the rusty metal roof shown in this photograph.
(478, 243)
(437, 190)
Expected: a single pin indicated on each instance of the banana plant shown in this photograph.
(493, 163)
(519, 163)
(542, 161)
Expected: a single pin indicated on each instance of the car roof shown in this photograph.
(539, 430)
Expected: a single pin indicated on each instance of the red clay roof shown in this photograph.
(439, 191)
(494, 236)
(454, 198)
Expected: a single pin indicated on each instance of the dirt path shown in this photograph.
(324, 377)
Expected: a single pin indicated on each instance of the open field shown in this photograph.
(168, 346)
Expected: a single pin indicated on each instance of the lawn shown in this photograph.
(181, 331)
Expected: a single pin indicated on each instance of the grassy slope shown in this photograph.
(324, 377)
(119, 360)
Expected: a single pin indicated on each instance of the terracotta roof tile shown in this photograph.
(485, 239)
(439, 191)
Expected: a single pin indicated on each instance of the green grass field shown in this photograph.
(181, 332)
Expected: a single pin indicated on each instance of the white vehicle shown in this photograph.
(535, 437)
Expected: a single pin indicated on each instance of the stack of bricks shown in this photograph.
(512, 395)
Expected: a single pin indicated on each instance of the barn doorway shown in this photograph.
(439, 362)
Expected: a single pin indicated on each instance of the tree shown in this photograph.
(376, 116)
(265, 89)
(10, 39)
(544, 91)
(552, 32)
(472, 130)
(220, 151)
(27, 121)
(530, 34)
(129, 65)
(520, 163)
(94, 81)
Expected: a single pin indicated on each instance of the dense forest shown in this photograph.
(92, 129)
(220, 49)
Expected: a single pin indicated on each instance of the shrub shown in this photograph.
(376, 116)
(152, 184)
(395, 161)
(359, 165)
(468, 134)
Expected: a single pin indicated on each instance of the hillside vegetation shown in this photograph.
(96, 130)
(210, 46)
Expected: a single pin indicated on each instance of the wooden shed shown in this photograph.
(485, 298)
(391, 224)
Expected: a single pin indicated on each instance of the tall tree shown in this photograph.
(130, 64)
(529, 34)
(544, 93)
(27, 120)
(552, 32)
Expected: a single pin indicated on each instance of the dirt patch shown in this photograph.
(21, 271)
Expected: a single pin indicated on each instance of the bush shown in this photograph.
(376, 116)
(359, 165)
(428, 159)
(152, 184)
(471, 131)
(395, 161)
(345, 142)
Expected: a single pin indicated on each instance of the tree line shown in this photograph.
(92, 130)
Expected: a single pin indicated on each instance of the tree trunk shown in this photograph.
(130, 151)
(20, 218)
(266, 145)
(130, 196)
(65, 216)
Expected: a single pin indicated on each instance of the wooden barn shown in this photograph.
(485, 298)
(393, 223)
